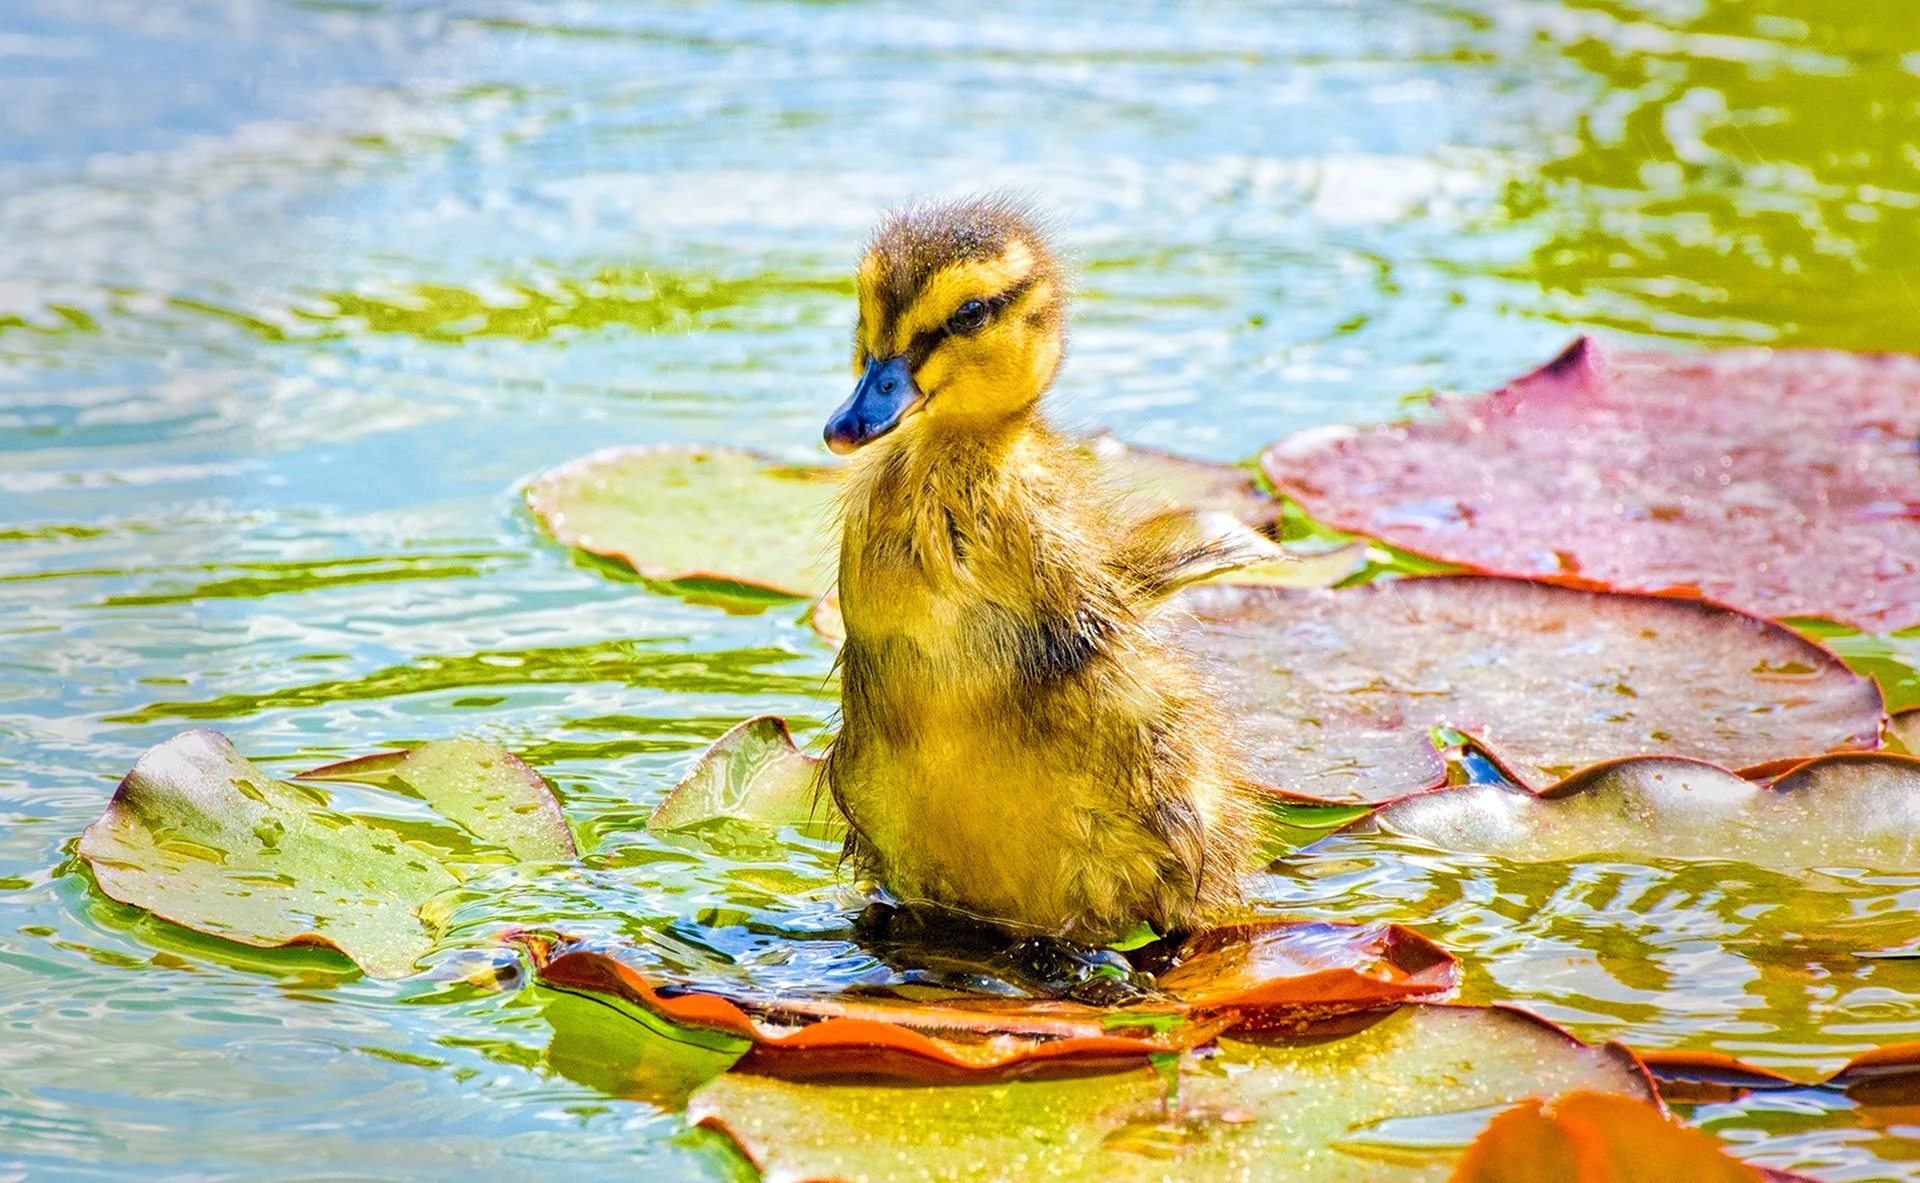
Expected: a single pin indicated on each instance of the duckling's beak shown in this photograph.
(884, 396)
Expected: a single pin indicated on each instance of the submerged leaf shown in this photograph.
(489, 793)
(1781, 482)
(752, 773)
(1314, 1109)
(1854, 810)
(1336, 692)
(1245, 977)
(1596, 1138)
(199, 836)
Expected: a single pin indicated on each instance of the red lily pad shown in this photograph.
(1248, 977)
(1884, 1076)
(1597, 1138)
(1392, 1102)
(1854, 810)
(1785, 483)
(704, 515)
(201, 837)
(1337, 692)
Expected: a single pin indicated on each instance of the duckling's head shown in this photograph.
(962, 323)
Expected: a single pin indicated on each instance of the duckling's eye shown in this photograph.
(970, 317)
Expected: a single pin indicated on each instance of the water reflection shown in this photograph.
(1748, 171)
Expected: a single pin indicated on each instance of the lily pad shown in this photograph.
(1337, 692)
(1785, 483)
(1597, 1138)
(1393, 1102)
(752, 773)
(1150, 481)
(1247, 977)
(679, 514)
(1887, 1075)
(1903, 732)
(1857, 810)
(201, 837)
(712, 515)
(490, 793)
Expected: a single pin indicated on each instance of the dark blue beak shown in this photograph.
(884, 396)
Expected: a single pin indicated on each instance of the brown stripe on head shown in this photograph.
(924, 258)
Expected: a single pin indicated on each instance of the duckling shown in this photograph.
(1016, 742)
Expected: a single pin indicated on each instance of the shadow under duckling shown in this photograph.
(1016, 743)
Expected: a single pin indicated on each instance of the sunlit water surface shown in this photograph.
(293, 295)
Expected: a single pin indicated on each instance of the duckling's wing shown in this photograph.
(1169, 550)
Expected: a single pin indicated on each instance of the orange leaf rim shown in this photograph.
(1232, 978)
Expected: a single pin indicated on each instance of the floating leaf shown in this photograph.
(713, 515)
(1697, 1076)
(1855, 810)
(1269, 975)
(832, 1037)
(1785, 483)
(1150, 480)
(1337, 692)
(1903, 731)
(1246, 977)
(679, 514)
(201, 837)
(1385, 1104)
(1596, 1138)
(490, 793)
(1885, 1076)
(752, 773)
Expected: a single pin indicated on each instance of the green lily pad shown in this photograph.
(752, 773)
(1856, 810)
(1394, 1102)
(199, 836)
(689, 514)
(1903, 732)
(700, 515)
(490, 793)
(1337, 692)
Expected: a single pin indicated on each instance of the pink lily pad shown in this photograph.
(1785, 483)
(1336, 693)
(1248, 977)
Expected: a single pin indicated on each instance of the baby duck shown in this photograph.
(1016, 743)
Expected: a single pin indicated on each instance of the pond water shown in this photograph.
(294, 295)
